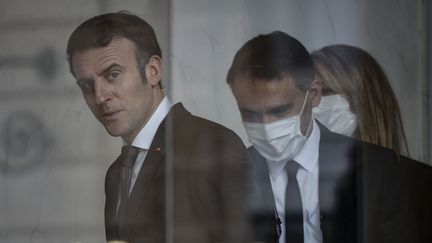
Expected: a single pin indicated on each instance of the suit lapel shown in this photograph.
(111, 199)
(261, 172)
(153, 167)
(262, 208)
(337, 186)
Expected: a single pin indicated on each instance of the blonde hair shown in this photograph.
(353, 73)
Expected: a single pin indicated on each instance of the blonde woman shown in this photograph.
(358, 101)
(352, 74)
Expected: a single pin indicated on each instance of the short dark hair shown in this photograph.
(272, 56)
(99, 31)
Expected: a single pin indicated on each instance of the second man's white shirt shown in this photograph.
(307, 177)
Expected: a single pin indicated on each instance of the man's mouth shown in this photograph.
(109, 116)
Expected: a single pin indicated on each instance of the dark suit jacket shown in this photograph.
(419, 180)
(361, 194)
(190, 187)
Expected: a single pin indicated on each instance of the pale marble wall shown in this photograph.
(206, 34)
(53, 192)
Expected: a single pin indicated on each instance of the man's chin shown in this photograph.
(113, 131)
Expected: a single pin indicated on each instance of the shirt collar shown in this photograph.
(308, 154)
(307, 157)
(145, 137)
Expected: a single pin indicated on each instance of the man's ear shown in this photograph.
(315, 92)
(153, 70)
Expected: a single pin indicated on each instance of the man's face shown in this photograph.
(113, 88)
(266, 101)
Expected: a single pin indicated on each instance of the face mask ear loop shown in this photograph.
(304, 103)
(301, 112)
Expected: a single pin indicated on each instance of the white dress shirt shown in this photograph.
(307, 178)
(145, 137)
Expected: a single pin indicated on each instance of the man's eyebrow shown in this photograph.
(247, 111)
(110, 67)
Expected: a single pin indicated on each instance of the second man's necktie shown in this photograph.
(293, 206)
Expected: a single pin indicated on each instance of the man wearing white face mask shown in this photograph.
(280, 140)
(308, 184)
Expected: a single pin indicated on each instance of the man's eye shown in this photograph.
(281, 113)
(86, 86)
(250, 117)
(113, 75)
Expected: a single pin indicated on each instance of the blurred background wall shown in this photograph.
(53, 152)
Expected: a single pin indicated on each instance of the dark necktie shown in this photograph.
(126, 162)
(293, 206)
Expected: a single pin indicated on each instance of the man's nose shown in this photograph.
(102, 92)
(266, 119)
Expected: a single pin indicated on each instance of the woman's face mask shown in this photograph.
(334, 113)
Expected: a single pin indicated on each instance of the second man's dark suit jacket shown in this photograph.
(361, 194)
(190, 187)
(419, 180)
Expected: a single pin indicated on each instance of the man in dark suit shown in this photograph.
(308, 184)
(179, 178)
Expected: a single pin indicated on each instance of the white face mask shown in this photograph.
(280, 140)
(334, 112)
